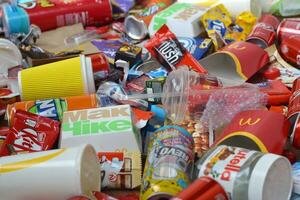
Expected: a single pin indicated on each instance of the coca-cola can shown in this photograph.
(287, 28)
(290, 50)
(294, 114)
(264, 32)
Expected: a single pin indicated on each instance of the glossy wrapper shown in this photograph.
(30, 133)
(166, 48)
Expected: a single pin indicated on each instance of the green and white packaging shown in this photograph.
(108, 129)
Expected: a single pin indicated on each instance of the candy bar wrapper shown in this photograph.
(165, 47)
(129, 53)
(120, 170)
(108, 47)
(123, 5)
(198, 47)
(30, 133)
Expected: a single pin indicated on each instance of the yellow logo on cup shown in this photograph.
(16, 166)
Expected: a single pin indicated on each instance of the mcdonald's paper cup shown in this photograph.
(71, 77)
(50, 175)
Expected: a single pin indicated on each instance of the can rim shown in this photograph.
(260, 177)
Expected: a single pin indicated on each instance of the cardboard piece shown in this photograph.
(53, 41)
(258, 130)
(236, 63)
(108, 129)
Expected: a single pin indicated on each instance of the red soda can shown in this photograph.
(294, 102)
(294, 114)
(204, 188)
(51, 14)
(290, 50)
(264, 32)
(287, 28)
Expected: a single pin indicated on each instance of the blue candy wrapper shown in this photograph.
(198, 47)
(123, 5)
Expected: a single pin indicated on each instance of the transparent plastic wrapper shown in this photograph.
(202, 98)
(224, 104)
(80, 38)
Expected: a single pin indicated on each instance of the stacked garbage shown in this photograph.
(150, 100)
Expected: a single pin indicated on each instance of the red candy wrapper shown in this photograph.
(30, 133)
(166, 48)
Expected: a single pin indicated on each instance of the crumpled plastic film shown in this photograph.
(224, 104)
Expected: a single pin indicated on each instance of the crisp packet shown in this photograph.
(120, 170)
(30, 133)
(165, 47)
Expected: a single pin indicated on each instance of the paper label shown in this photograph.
(224, 164)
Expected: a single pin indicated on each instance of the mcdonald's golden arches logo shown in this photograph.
(249, 121)
(236, 46)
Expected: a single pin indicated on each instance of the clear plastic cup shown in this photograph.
(190, 95)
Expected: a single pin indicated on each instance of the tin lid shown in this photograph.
(135, 28)
(271, 179)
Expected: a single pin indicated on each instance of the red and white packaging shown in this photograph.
(51, 14)
(290, 50)
(287, 28)
(30, 133)
(263, 33)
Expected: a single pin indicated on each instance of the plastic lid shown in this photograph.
(135, 28)
(15, 19)
(271, 179)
